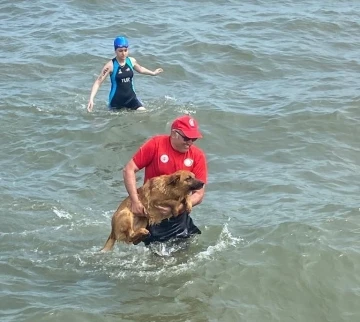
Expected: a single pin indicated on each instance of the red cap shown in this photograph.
(188, 125)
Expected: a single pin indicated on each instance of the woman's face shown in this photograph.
(121, 52)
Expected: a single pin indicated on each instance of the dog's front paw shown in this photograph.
(143, 231)
(140, 235)
(188, 205)
(188, 208)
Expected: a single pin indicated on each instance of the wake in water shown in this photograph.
(73, 240)
(79, 104)
(159, 259)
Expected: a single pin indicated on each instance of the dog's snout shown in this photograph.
(197, 184)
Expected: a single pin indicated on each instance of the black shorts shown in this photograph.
(181, 226)
(132, 104)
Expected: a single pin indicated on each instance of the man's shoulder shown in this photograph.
(156, 140)
(159, 138)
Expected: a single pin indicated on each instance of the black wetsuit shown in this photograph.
(122, 93)
(181, 226)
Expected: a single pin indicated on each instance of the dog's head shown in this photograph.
(185, 181)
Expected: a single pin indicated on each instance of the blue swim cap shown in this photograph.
(120, 42)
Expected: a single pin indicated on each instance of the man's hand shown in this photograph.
(165, 211)
(138, 209)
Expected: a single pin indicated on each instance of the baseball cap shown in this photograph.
(188, 125)
(120, 42)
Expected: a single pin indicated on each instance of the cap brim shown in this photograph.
(192, 134)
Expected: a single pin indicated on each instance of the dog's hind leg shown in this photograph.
(109, 243)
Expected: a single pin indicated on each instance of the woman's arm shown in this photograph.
(107, 69)
(142, 70)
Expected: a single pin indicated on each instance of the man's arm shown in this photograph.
(197, 196)
(130, 184)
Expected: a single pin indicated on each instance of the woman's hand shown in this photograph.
(90, 106)
(157, 71)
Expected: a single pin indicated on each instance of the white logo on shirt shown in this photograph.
(164, 158)
(188, 162)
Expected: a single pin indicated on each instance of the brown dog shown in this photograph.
(166, 191)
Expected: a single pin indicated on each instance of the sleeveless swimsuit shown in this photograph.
(122, 93)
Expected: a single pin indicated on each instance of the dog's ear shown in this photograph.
(174, 179)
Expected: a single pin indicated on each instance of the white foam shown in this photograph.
(225, 240)
(138, 261)
(167, 97)
(62, 213)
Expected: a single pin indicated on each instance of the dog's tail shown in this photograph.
(109, 244)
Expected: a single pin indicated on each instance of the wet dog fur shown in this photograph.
(165, 191)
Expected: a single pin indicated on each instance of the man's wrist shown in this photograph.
(134, 199)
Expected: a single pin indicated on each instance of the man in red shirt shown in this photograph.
(165, 154)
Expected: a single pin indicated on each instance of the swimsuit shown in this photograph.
(122, 94)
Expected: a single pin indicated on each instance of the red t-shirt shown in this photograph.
(158, 157)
